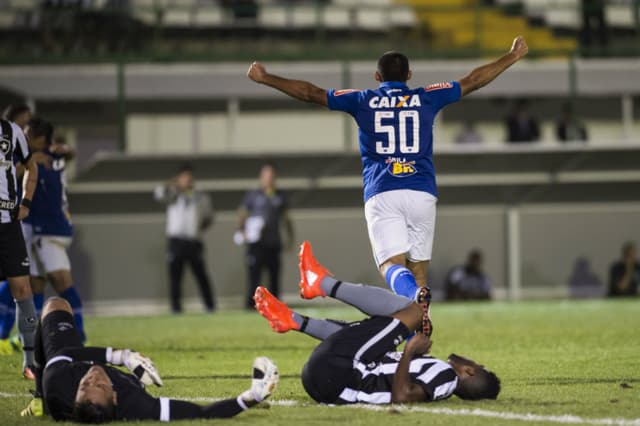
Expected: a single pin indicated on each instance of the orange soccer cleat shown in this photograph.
(276, 312)
(311, 273)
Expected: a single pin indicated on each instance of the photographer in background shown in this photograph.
(189, 215)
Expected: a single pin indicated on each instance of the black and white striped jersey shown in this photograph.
(436, 377)
(13, 149)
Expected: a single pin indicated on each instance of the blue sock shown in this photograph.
(71, 295)
(38, 301)
(7, 310)
(401, 281)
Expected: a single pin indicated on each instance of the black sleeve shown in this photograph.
(86, 354)
(139, 405)
(179, 410)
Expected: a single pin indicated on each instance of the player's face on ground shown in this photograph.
(267, 177)
(464, 367)
(96, 387)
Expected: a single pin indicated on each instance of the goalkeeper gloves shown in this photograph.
(264, 381)
(141, 366)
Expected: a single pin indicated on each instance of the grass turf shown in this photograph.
(554, 358)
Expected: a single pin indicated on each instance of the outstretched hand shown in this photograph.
(257, 72)
(519, 47)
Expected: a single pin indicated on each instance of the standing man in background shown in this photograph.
(261, 215)
(14, 263)
(189, 215)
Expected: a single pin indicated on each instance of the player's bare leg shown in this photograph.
(37, 284)
(60, 280)
(400, 259)
(419, 270)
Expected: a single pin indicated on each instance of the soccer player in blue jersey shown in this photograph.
(48, 230)
(396, 145)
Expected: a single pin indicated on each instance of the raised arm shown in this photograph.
(485, 74)
(298, 89)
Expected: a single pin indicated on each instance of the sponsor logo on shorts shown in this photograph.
(25, 262)
(400, 167)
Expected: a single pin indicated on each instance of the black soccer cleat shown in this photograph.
(423, 298)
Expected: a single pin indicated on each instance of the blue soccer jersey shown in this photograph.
(396, 133)
(49, 213)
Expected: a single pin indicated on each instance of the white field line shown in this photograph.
(476, 412)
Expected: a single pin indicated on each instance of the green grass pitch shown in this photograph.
(555, 358)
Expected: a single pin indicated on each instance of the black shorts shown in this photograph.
(330, 367)
(59, 333)
(14, 261)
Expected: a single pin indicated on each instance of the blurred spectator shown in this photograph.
(261, 215)
(521, 126)
(594, 23)
(468, 134)
(189, 214)
(568, 128)
(583, 281)
(468, 282)
(625, 274)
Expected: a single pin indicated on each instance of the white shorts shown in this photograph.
(401, 222)
(47, 253)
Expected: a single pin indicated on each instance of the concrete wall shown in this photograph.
(116, 258)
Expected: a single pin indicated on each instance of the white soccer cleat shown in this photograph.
(265, 378)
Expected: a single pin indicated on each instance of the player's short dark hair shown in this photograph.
(40, 127)
(12, 111)
(627, 247)
(88, 412)
(185, 167)
(482, 385)
(393, 66)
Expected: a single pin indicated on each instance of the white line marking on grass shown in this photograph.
(476, 412)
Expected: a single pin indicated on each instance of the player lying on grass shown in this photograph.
(356, 362)
(77, 383)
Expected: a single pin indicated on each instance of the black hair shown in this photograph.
(482, 385)
(627, 247)
(88, 412)
(39, 127)
(186, 167)
(269, 163)
(12, 111)
(394, 66)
